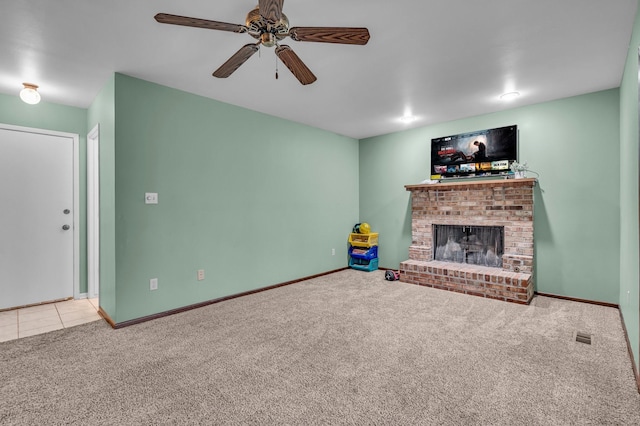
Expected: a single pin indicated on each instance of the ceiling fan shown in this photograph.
(269, 25)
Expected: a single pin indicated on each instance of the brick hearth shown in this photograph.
(502, 202)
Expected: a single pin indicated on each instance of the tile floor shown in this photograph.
(40, 319)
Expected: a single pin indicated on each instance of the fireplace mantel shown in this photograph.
(505, 203)
(469, 184)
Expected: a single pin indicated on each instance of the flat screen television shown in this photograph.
(480, 153)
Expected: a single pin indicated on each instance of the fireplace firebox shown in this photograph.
(474, 245)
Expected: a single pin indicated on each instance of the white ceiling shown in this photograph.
(438, 59)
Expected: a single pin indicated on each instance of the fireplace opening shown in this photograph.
(475, 245)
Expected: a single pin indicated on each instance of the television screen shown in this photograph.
(480, 153)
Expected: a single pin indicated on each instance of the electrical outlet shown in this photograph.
(151, 198)
(153, 284)
(200, 274)
(333, 252)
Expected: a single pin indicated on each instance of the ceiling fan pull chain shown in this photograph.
(276, 67)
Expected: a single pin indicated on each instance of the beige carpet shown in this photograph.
(348, 348)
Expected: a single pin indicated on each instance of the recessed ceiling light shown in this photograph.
(408, 119)
(509, 96)
(30, 94)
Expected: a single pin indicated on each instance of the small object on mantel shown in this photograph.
(429, 181)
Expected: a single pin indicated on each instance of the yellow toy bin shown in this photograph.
(364, 240)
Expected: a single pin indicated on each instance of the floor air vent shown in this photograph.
(583, 338)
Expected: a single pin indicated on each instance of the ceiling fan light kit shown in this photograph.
(269, 26)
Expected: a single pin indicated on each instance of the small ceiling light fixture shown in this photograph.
(30, 94)
(408, 118)
(509, 96)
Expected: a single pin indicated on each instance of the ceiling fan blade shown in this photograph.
(295, 64)
(238, 58)
(341, 35)
(165, 18)
(271, 10)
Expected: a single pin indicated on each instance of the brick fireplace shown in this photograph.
(464, 210)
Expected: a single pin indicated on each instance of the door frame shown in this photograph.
(93, 212)
(76, 195)
(638, 283)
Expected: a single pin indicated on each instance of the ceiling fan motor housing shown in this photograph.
(269, 34)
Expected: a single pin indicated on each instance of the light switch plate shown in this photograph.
(151, 198)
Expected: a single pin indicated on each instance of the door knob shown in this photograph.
(66, 227)
(66, 211)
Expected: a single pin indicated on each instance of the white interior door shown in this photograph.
(36, 217)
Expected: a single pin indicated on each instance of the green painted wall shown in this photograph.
(102, 113)
(577, 214)
(251, 199)
(267, 199)
(59, 118)
(629, 298)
